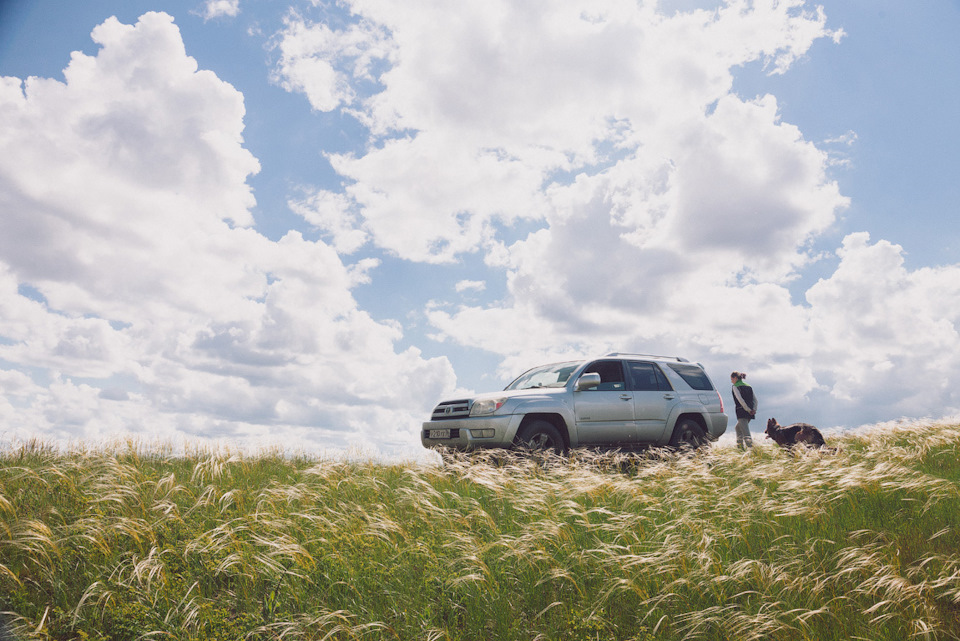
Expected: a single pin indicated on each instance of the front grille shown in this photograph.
(451, 409)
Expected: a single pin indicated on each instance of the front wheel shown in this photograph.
(541, 436)
(687, 435)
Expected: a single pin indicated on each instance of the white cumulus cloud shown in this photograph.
(584, 169)
(135, 296)
(219, 8)
(669, 213)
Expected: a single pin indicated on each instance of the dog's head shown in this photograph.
(772, 426)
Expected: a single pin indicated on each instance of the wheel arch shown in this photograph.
(554, 419)
(696, 417)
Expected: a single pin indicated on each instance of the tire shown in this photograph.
(541, 436)
(687, 435)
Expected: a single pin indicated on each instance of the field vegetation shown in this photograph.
(138, 542)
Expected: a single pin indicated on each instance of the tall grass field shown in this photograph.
(138, 542)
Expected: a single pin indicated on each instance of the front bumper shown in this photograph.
(468, 433)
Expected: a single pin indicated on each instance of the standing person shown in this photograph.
(746, 403)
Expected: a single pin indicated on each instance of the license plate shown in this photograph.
(439, 433)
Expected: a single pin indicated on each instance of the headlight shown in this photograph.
(486, 406)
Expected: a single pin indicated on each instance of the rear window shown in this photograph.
(692, 375)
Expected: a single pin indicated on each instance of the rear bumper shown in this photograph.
(468, 433)
(716, 425)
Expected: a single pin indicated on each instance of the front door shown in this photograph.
(605, 414)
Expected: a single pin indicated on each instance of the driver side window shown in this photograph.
(611, 375)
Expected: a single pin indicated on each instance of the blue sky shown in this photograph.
(306, 222)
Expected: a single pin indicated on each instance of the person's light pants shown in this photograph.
(743, 433)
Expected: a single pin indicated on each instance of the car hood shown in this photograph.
(535, 392)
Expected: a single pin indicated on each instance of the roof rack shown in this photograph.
(676, 358)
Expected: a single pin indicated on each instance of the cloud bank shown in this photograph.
(675, 216)
(137, 298)
(595, 155)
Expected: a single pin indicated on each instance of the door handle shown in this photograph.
(626, 397)
(669, 397)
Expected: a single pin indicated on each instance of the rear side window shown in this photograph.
(647, 377)
(692, 375)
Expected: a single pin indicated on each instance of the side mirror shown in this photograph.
(588, 381)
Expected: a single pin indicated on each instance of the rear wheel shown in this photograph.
(541, 436)
(688, 435)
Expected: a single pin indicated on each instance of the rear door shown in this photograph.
(653, 399)
(605, 414)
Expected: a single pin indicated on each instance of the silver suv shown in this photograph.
(616, 401)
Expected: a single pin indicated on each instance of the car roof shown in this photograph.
(631, 356)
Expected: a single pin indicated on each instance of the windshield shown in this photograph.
(555, 375)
